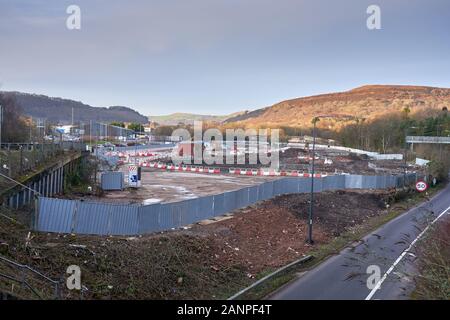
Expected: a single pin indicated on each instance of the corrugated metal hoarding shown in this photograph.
(75, 216)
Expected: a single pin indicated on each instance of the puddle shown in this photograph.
(151, 201)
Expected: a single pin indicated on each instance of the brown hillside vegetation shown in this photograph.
(367, 102)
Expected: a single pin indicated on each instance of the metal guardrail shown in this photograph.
(427, 139)
(23, 280)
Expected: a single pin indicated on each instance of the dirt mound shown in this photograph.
(336, 211)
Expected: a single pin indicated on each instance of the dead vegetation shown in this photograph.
(433, 253)
(203, 262)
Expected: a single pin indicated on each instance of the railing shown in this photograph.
(425, 139)
(19, 158)
(26, 283)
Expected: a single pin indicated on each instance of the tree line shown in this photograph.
(388, 134)
(14, 127)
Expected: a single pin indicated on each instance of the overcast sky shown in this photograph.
(218, 56)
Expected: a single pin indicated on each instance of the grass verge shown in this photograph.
(433, 281)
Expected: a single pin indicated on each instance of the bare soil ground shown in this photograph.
(205, 261)
(342, 161)
(165, 186)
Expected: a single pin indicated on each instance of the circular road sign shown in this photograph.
(421, 186)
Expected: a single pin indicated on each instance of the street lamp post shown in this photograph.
(405, 154)
(404, 160)
(311, 204)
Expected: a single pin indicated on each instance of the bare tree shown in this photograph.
(14, 127)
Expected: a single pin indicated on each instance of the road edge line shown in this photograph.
(392, 267)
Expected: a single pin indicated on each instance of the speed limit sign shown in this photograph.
(421, 186)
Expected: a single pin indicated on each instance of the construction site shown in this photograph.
(191, 224)
(163, 181)
(221, 150)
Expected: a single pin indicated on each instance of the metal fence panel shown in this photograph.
(411, 178)
(92, 218)
(333, 183)
(188, 210)
(340, 182)
(124, 220)
(168, 217)
(112, 181)
(230, 201)
(144, 147)
(261, 190)
(381, 182)
(219, 204)
(353, 182)
(369, 182)
(318, 184)
(278, 187)
(55, 215)
(242, 198)
(252, 195)
(205, 207)
(149, 218)
(269, 190)
(304, 185)
(290, 185)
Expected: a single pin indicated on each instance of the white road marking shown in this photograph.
(380, 282)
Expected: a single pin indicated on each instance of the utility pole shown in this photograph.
(311, 205)
(405, 161)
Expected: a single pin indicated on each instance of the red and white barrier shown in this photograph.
(235, 171)
(272, 173)
(172, 167)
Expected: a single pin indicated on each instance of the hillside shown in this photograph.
(58, 110)
(367, 102)
(189, 118)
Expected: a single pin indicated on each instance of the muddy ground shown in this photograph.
(166, 186)
(341, 161)
(208, 261)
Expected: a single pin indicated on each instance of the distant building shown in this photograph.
(148, 128)
(103, 130)
(64, 129)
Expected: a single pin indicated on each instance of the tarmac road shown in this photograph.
(391, 248)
